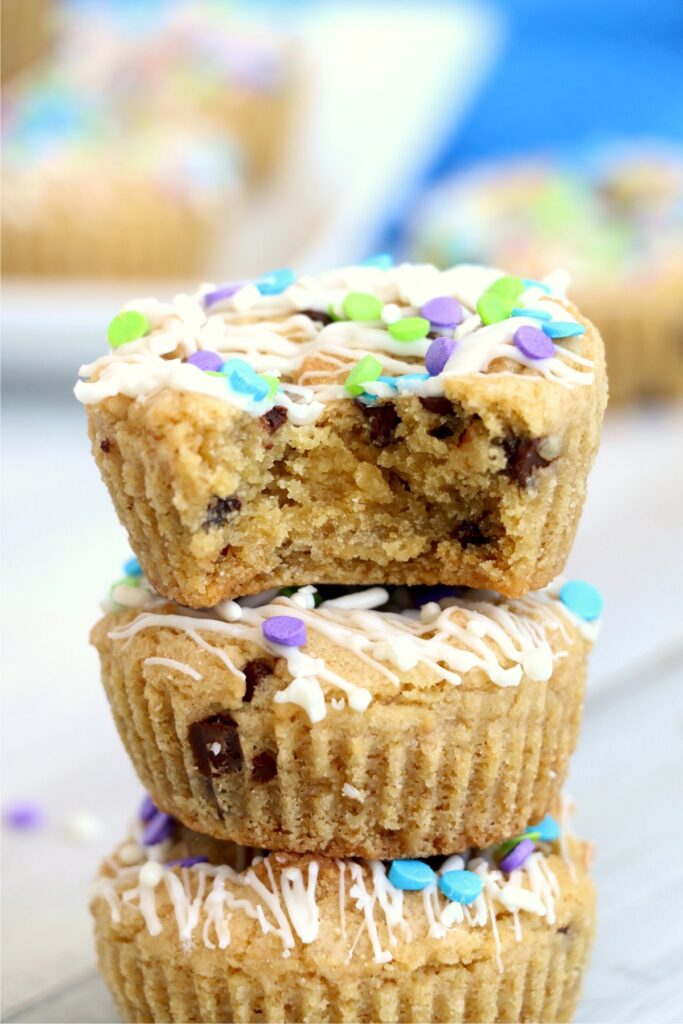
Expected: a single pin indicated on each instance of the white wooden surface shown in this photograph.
(62, 548)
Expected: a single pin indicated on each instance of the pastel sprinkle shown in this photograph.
(368, 369)
(411, 328)
(132, 567)
(244, 379)
(517, 856)
(547, 830)
(361, 306)
(158, 828)
(410, 875)
(562, 329)
(389, 381)
(438, 354)
(147, 808)
(205, 360)
(127, 326)
(222, 292)
(287, 630)
(492, 308)
(275, 282)
(383, 261)
(507, 286)
(461, 886)
(529, 282)
(273, 384)
(535, 314)
(24, 815)
(443, 311)
(583, 599)
(533, 343)
(186, 862)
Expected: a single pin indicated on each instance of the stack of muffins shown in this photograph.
(345, 646)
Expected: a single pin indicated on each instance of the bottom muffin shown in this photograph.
(193, 929)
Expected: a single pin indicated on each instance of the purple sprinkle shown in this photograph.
(206, 360)
(147, 808)
(24, 814)
(438, 354)
(186, 862)
(160, 827)
(443, 311)
(533, 343)
(286, 630)
(223, 292)
(517, 856)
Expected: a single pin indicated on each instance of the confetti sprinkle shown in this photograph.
(361, 306)
(287, 630)
(368, 369)
(159, 828)
(206, 360)
(563, 329)
(411, 328)
(383, 261)
(443, 311)
(186, 862)
(461, 886)
(132, 567)
(533, 342)
(535, 314)
(24, 815)
(147, 808)
(127, 326)
(529, 282)
(275, 282)
(410, 875)
(517, 856)
(222, 293)
(493, 308)
(583, 599)
(510, 287)
(244, 379)
(547, 830)
(438, 354)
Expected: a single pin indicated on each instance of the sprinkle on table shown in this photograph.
(24, 815)
(583, 599)
(411, 328)
(276, 281)
(533, 342)
(517, 856)
(410, 875)
(443, 311)
(362, 306)
(438, 354)
(563, 329)
(461, 886)
(127, 326)
(287, 630)
(368, 369)
(206, 360)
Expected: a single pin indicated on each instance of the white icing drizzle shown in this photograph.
(179, 666)
(272, 335)
(205, 898)
(504, 639)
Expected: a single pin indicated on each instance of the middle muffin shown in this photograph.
(386, 722)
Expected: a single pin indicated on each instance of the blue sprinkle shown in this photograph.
(413, 376)
(244, 379)
(390, 381)
(529, 282)
(411, 875)
(383, 260)
(537, 314)
(276, 281)
(560, 329)
(461, 886)
(547, 830)
(132, 567)
(583, 599)
(367, 399)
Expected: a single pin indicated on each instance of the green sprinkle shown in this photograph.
(214, 373)
(361, 306)
(127, 581)
(493, 308)
(411, 328)
(510, 287)
(127, 326)
(272, 382)
(331, 311)
(366, 370)
(502, 849)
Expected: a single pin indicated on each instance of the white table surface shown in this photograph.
(62, 549)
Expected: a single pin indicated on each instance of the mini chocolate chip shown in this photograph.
(441, 432)
(318, 316)
(105, 445)
(274, 418)
(383, 420)
(523, 458)
(255, 672)
(564, 930)
(470, 535)
(216, 745)
(438, 404)
(219, 509)
(263, 767)
(433, 335)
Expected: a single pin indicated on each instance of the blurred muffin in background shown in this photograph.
(24, 35)
(614, 221)
(126, 153)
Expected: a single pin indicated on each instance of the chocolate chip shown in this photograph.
(255, 672)
(442, 432)
(523, 458)
(438, 404)
(274, 418)
(433, 335)
(564, 930)
(318, 316)
(263, 767)
(219, 509)
(470, 534)
(105, 445)
(216, 745)
(383, 420)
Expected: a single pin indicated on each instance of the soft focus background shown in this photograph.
(342, 117)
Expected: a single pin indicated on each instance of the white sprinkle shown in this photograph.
(391, 313)
(477, 627)
(129, 597)
(130, 853)
(304, 597)
(308, 694)
(353, 793)
(338, 703)
(361, 600)
(83, 826)
(429, 611)
(245, 298)
(400, 651)
(229, 611)
(515, 898)
(215, 749)
(538, 664)
(150, 875)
